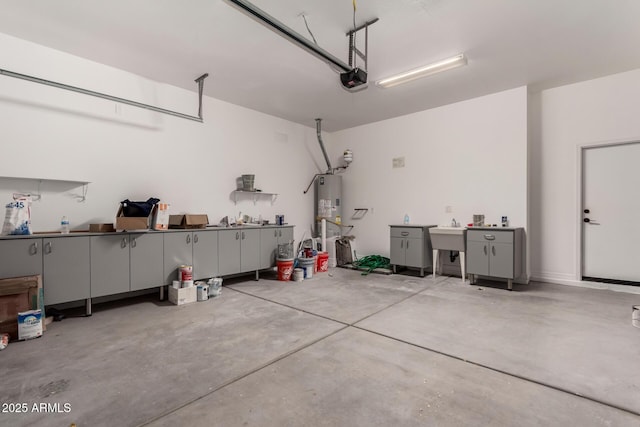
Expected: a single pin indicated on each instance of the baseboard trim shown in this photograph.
(569, 281)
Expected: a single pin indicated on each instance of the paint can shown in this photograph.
(307, 264)
(298, 275)
(203, 292)
(185, 272)
(635, 316)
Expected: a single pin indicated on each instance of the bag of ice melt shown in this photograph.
(17, 220)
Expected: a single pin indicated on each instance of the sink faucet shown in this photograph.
(454, 223)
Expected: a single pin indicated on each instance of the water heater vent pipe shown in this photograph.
(324, 152)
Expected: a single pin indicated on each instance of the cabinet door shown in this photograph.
(205, 254)
(109, 265)
(501, 260)
(177, 251)
(414, 252)
(249, 250)
(20, 257)
(66, 264)
(285, 235)
(269, 246)
(397, 251)
(229, 251)
(146, 261)
(477, 257)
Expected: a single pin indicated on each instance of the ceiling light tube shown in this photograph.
(427, 70)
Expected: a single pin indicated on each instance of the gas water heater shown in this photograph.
(328, 203)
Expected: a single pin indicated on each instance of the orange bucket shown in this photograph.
(323, 262)
(285, 269)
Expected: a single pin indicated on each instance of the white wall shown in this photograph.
(470, 155)
(125, 152)
(562, 120)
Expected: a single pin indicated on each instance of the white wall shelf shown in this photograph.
(254, 195)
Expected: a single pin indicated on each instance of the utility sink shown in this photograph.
(448, 238)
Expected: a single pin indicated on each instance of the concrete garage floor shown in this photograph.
(338, 349)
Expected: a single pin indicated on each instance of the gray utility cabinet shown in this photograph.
(196, 248)
(21, 257)
(241, 250)
(270, 238)
(495, 252)
(65, 267)
(411, 246)
(125, 262)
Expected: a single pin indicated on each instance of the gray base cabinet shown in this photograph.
(66, 269)
(410, 246)
(205, 254)
(20, 257)
(495, 253)
(177, 251)
(109, 265)
(83, 267)
(146, 261)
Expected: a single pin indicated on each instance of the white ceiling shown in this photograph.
(509, 43)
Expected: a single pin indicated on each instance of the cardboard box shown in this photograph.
(161, 217)
(133, 222)
(188, 221)
(19, 294)
(101, 228)
(29, 324)
(183, 295)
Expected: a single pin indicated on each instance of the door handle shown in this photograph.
(48, 248)
(237, 235)
(34, 248)
(243, 235)
(133, 242)
(485, 249)
(275, 233)
(401, 244)
(590, 221)
(188, 238)
(195, 238)
(407, 244)
(493, 250)
(123, 244)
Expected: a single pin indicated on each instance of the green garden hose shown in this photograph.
(371, 262)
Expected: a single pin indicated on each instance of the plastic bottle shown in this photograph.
(64, 225)
(406, 218)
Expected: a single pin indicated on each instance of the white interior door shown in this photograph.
(611, 212)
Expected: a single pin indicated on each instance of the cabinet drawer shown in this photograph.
(407, 232)
(497, 236)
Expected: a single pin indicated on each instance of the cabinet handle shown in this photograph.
(123, 244)
(237, 235)
(188, 238)
(34, 247)
(404, 233)
(407, 244)
(243, 235)
(275, 233)
(485, 249)
(493, 250)
(489, 237)
(133, 242)
(401, 244)
(48, 248)
(280, 233)
(195, 238)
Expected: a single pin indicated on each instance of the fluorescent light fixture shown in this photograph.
(427, 70)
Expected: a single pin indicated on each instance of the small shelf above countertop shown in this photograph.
(255, 195)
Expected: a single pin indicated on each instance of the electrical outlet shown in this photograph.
(398, 162)
(448, 209)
